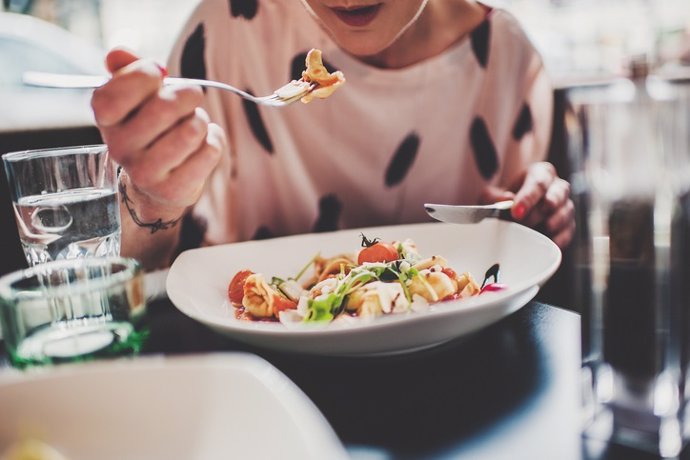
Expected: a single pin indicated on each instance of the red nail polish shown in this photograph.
(519, 211)
(163, 70)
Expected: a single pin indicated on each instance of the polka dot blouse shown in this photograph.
(441, 130)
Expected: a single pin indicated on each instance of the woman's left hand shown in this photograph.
(542, 201)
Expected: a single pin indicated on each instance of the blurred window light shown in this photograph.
(576, 37)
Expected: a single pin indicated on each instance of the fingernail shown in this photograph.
(519, 211)
(164, 71)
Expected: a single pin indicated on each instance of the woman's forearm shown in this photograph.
(150, 234)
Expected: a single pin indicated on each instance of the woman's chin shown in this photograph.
(363, 49)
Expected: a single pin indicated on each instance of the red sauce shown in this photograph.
(450, 273)
(282, 304)
(243, 315)
(453, 296)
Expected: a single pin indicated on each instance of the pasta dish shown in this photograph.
(380, 279)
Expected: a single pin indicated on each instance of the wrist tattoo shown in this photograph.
(152, 226)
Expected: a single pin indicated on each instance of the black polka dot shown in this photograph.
(256, 123)
(523, 124)
(484, 149)
(402, 160)
(262, 233)
(330, 208)
(244, 8)
(479, 39)
(298, 65)
(192, 64)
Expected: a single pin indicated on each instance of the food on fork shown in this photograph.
(316, 72)
(380, 279)
(316, 80)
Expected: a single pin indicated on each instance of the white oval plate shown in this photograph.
(198, 280)
(194, 407)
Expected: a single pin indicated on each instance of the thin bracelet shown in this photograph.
(127, 201)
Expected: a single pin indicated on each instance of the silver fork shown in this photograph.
(285, 95)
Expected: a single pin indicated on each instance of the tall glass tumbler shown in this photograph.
(65, 202)
(630, 158)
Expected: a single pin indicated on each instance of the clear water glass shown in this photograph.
(630, 153)
(65, 202)
(73, 310)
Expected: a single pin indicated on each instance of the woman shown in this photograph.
(446, 101)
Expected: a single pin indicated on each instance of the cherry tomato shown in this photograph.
(236, 286)
(378, 252)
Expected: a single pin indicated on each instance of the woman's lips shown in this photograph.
(357, 17)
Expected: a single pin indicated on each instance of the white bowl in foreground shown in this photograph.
(230, 405)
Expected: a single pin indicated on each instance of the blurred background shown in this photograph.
(578, 38)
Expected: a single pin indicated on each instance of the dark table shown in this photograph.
(485, 396)
(509, 391)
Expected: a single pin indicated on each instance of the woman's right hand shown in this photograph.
(160, 135)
